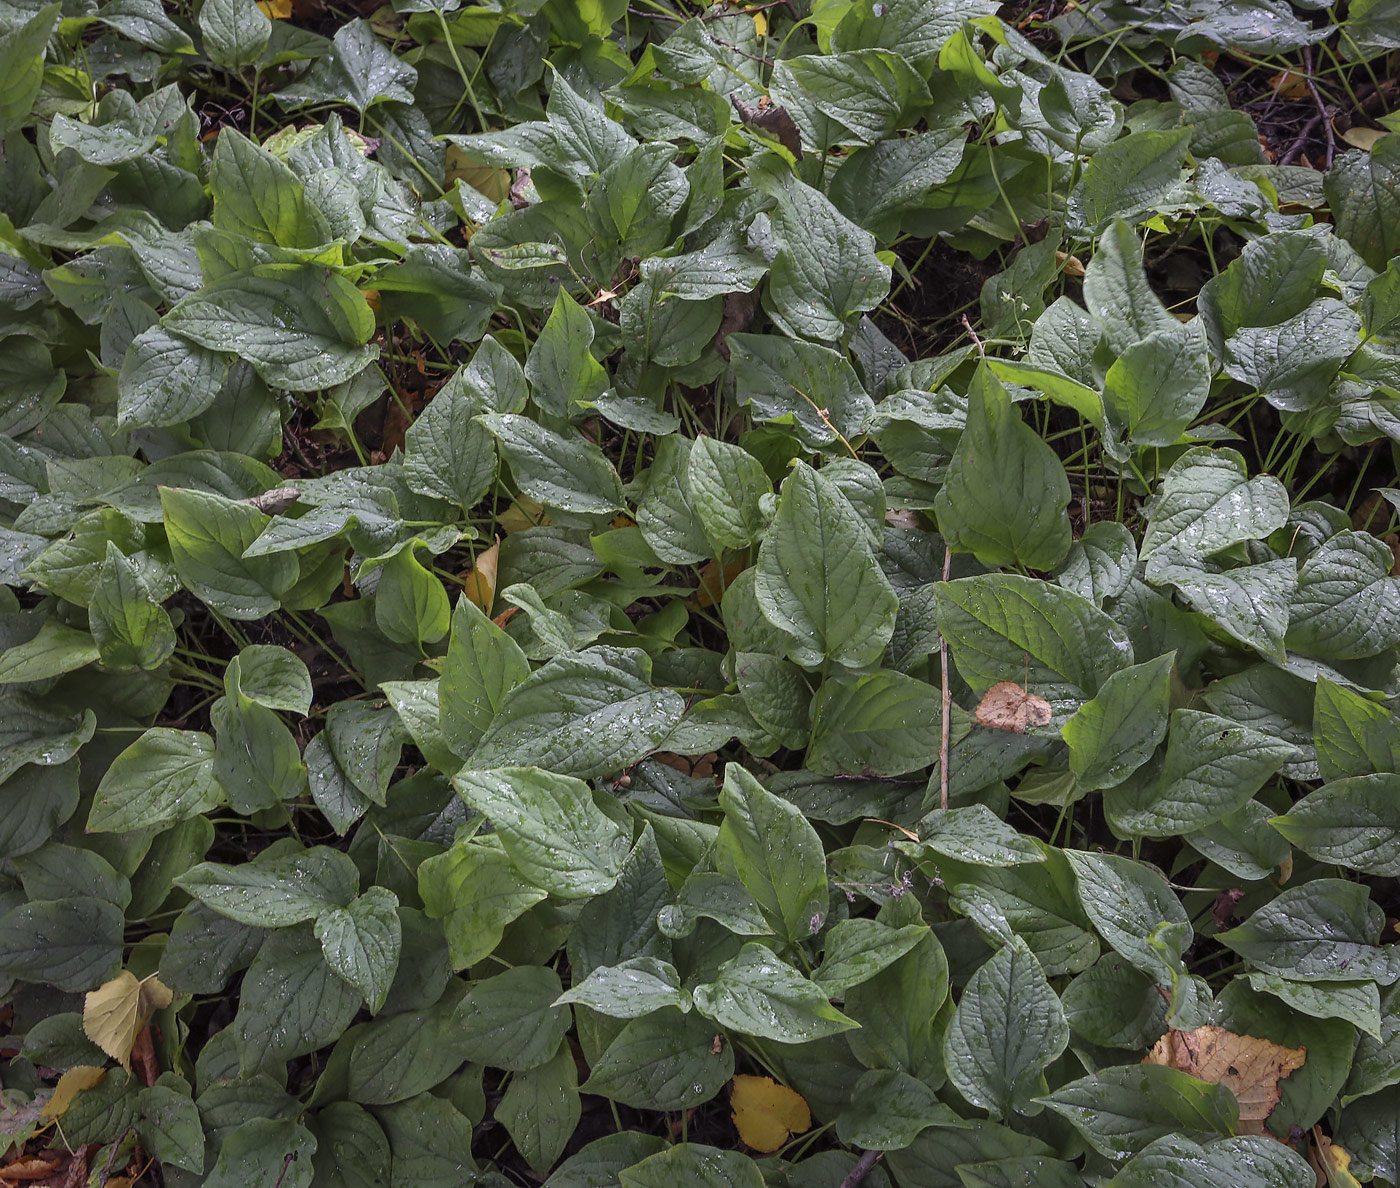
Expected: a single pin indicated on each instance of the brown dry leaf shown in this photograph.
(1250, 1068)
(1332, 1161)
(117, 1010)
(70, 1084)
(772, 121)
(30, 1167)
(1070, 265)
(479, 584)
(522, 514)
(1290, 83)
(1007, 706)
(714, 581)
(766, 1113)
(143, 1057)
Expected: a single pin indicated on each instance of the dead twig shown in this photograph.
(867, 1160)
(1321, 107)
(1297, 146)
(947, 705)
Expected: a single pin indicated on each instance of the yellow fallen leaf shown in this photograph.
(1250, 1068)
(1007, 706)
(766, 1113)
(70, 1084)
(1362, 138)
(486, 180)
(760, 24)
(116, 1011)
(480, 584)
(1335, 1161)
(277, 10)
(523, 513)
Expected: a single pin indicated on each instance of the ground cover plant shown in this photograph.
(797, 593)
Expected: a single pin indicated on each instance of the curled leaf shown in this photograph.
(1007, 706)
(766, 1113)
(771, 120)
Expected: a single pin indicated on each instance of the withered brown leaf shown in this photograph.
(1007, 706)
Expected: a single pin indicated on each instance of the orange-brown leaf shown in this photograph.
(479, 584)
(766, 1113)
(1250, 1068)
(1333, 1161)
(1007, 706)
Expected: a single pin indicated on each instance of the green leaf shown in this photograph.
(1273, 279)
(262, 1149)
(256, 759)
(359, 70)
(1370, 1130)
(275, 678)
(666, 514)
(881, 724)
(1007, 627)
(694, 1165)
(1293, 363)
(888, 1110)
(1347, 606)
(164, 776)
(767, 844)
(410, 603)
(1354, 736)
(235, 32)
(858, 949)
(1116, 732)
(170, 1125)
(561, 370)
(972, 834)
(1135, 910)
(361, 943)
(1006, 493)
(291, 1002)
(635, 987)
(817, 578)
(1130, 177)
(1121, 1110)
(550, 826)
(301, 327)
(1250, 1161)
(1361, 189)
(398, 1057)
(726, 484)
(812, 387)
(759, 995)
(860, 97)
(482, 665)
(430, 1142)
(449, 453)
(22, 61)
(1250, 602)
(275, 892)
(165, 379)
(131, 630)
(569, 473)
(1353, 822)
(1213, 767)
(70, 943)
(826, 270)
(585, 715)
(1158, 385)
(540, 1110)
(1206, 504)
(476, 891)
(510, 1021)
(255, 194)
(351, 1148)
(1116, 291)
(1323, 931)
(55, 650)
(664, 1060)
(1007, 1028)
